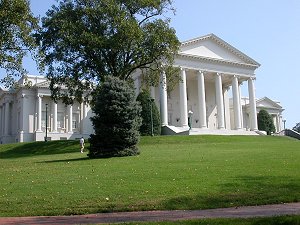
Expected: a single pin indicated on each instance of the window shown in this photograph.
(75, 121)
(74, 124)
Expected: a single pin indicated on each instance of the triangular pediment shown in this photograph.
(213, 47)
(267, 103)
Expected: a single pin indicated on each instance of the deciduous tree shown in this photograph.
(17, 26)
(85, 41)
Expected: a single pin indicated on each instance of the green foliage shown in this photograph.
(17, 25)
(265, 122)
(88, 40)
(148, 104)
(116, 121)
(297, 127)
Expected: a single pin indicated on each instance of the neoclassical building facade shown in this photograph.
(212, 72)
(208, 99)
(26, 113)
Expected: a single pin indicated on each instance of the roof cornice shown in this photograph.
(201, 58)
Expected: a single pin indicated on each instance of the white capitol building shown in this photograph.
(212, 72)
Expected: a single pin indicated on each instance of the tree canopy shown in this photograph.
(84, 41)
(17, 26)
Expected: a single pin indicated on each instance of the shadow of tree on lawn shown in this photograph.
(248, 190)
(39, 148)
(66, 160)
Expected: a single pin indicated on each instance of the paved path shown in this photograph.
(174, 215)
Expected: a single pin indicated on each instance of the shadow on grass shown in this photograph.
(38, 148)
(246, 191)
(66, 160)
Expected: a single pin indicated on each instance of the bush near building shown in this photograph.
(265, 122)
(149, 109)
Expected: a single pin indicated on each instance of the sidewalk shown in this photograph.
(241, 212)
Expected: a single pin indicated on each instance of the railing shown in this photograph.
(292, 133)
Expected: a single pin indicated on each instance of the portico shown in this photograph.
(218, 85)
(211, 71)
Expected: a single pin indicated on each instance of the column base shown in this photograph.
(239, 129)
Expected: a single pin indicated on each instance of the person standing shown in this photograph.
(81, 144)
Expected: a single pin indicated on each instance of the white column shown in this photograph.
(252, 103)
(39, 113)
(152, 92)
(277, 123)
(70, 130)
(2, 119)
(220, 101)
(82, 116)
(163, 99)
(54, 129)
(183, 99)
(236, 103)
(241, 107)
(201, 100)
(22, 116)
(6, 119)
(1, 124)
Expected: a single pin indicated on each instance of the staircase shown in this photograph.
(172, 130)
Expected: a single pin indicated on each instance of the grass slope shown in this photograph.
(182, 172)
(282, 220)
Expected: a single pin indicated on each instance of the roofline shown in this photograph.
(266, 98)
(223, 43)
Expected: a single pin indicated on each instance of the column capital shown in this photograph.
(39, 96)
(252, 78)
(201, 72)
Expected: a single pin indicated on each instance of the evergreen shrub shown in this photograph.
(116, 120)
(265, 122)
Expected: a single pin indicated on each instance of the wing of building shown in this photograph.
(207, 101)
(27, 112)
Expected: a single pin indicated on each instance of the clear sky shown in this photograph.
(266, 30)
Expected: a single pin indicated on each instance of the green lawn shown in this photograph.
(282, 220)
(175, 172)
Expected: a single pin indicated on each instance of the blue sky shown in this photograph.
(266, 30)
